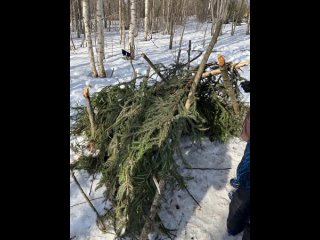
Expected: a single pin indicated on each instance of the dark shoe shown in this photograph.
(230, 194)
(234, 183)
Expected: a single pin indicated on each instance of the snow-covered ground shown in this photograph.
(209, 187)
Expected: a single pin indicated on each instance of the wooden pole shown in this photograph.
(152, 65)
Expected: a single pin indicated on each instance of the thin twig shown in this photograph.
(153, 42)
(134, 74)
(208, 168)
(193, 59)
(192, 196)
(85, 202)
(112, 72)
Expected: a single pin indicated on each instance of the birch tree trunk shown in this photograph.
(132, 27)
(236, 16)
(163, 16)
(72, 17)
(212, 17)
(146, 19)
(76, 17)
(248, 25)
(168, 18)
(123, 32)
(127, 15)
(104, 15)
(120, 21)
(81, 17)
(171, 30)
(86, 19)
(100, 46)
(153, 18)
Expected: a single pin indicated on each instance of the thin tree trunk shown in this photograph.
(120, 21)
(85, 4)
(180, 44)
(81, 25)
(122, 17)
(100, 46)
(204, 37)
(104, 15)
(248, 25)
(163, 16)
(76, 15)
(235, 21)
(213, 20)
(233, 28)
(168, 17)
(146, 20)
(74, 48)
(71, 16)
(189, 53)
(153, 18)
(128, 15)
(171, 26)
(191, 95)
(171, 32)
(132, 28)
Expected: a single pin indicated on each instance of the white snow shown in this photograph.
(209, 187)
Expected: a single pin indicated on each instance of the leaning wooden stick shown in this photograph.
(102, 227)
(179, 51)
(153, 212)
(189, 51)
(152, 65)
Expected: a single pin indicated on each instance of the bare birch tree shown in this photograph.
(237, 12)
(132, 27)
(146, 19)
(100, 46)
(248, 23)
(122, 23)
(85, 5)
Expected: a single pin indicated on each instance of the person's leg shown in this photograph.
(239, 211)
(246, 233)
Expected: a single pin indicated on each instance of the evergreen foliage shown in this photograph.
(139, 127)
